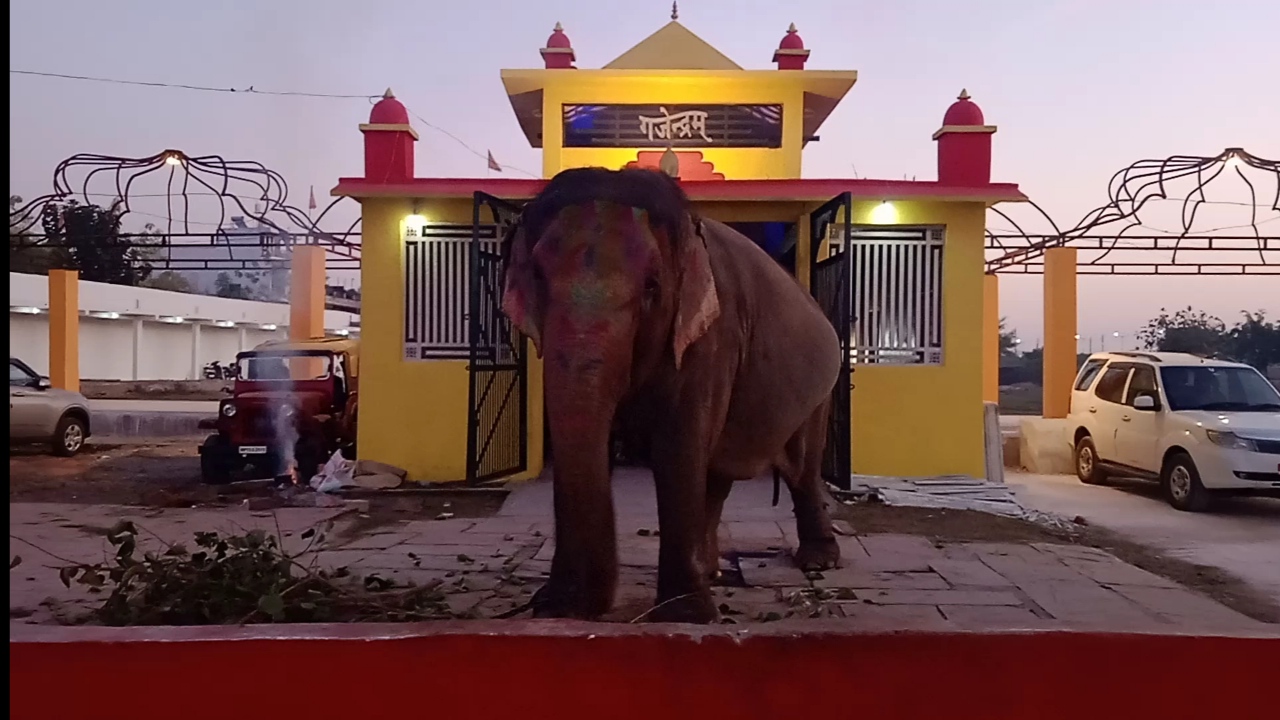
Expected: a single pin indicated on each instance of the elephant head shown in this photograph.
(608, 275)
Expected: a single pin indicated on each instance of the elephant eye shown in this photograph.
(651, 286)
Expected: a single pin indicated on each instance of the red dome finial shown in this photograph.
(964, 145)
(791, 41)
(963, 111)
(791, 54)
(389, 111)
(558, 54)
(388, 141)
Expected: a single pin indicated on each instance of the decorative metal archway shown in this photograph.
(1117, 242)
(234, 185)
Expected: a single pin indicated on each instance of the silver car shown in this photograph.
(40, 413)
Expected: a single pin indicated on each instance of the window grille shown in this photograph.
(437, 287)
(897, 315)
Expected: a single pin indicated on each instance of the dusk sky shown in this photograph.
(1078, 88)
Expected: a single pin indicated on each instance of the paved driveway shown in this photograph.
(1241, 536)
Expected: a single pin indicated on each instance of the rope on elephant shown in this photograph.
(646, 613)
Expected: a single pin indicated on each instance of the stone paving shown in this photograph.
(490, 566)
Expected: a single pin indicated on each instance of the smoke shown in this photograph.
(284, 421)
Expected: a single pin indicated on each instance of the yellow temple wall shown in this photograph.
(413, 413)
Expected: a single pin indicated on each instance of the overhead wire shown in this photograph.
(252, 90)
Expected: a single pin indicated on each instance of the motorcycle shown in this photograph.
(217, 371)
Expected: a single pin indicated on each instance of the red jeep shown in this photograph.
(292, 406)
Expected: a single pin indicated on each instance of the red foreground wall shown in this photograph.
(567, 670)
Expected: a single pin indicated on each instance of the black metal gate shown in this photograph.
(830, 281)
(497, 420)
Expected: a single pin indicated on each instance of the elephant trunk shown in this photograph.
(581, 403)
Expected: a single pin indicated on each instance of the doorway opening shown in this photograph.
(778, 239)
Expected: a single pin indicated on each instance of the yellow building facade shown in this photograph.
(448, 394)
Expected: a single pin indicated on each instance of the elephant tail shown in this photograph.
(777, 486)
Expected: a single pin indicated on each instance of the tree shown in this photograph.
(18, 226)
(91, 240)
(228, 286)
(1008, 341)
(1255, 341)
(168, 280)
(1188, 331)
(27, 252)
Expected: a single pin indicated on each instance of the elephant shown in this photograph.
(654, 319)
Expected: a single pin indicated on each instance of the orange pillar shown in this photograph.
(64, 329)
(990, 338)
(1059, 330)
(306, 293)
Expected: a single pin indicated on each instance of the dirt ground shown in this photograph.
(941, 525)
(166, 474)
(163, 474)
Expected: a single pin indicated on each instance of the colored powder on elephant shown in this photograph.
(601, 253)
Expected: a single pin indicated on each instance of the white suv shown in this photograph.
(1199, 426)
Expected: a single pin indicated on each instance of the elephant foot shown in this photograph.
(821, 554)
(697, 609)
(547, 603)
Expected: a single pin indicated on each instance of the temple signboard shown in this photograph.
(676, 126)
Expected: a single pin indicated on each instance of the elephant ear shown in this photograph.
(697, 304)
(520, 300)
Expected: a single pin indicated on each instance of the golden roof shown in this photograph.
(673, 47)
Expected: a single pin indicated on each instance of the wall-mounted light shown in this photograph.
(884, 214)
(105, 315)
(173, 158)
(223, 323)
(24, 309)
(175, 319)
(270, 327)
(414, 222)
(342, 331)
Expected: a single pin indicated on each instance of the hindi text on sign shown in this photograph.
(674, 127)
(666, 125)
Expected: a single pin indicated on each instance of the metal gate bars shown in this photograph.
(497, 420)
(830, 281)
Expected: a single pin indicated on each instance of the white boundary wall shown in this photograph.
(132, 333)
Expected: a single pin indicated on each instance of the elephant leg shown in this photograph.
(717, 492)
(584, 571)
(680, 474)
(802, 470)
